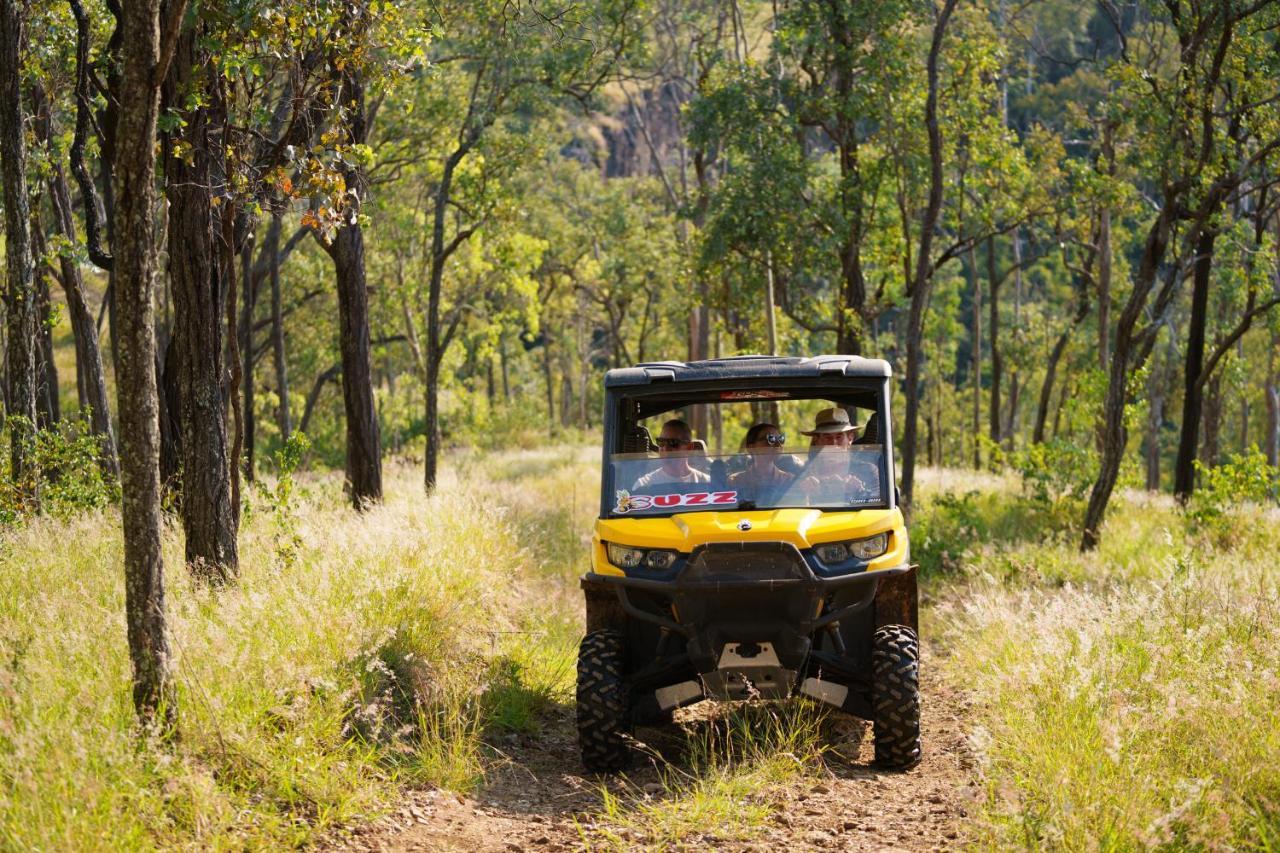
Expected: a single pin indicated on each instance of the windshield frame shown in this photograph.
(627, 405)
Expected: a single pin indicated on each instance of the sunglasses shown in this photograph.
(671, 443)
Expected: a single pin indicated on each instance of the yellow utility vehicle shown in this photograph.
(759, 572)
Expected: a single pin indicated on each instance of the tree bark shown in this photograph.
(1209, 450)
(1104, 253)
(1114, 436)
(277, 330)
(435, 348)
(21, 360)
(975, 358)
(48, 404)
(314, 396)
(198, 282)
(250, 299)
(922, 285)
(1193, 388)
(91, 381)
(153, 692)
(993, 338)
(1272, 391)
(364, 441)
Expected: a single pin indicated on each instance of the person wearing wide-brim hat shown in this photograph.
(831, 427)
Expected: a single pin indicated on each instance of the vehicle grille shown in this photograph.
(745, 561)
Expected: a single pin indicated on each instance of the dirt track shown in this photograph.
(541, 801)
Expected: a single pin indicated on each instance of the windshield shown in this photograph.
(676, 480)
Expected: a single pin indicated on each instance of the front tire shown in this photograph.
(895, 661)
(603, 721)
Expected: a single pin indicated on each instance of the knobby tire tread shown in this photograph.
(895, 661)
(603, 713)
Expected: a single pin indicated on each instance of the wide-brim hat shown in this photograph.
(829, 421)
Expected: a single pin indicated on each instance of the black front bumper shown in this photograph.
(733, 597)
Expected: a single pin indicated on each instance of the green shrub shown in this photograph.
(69, 476)
(1055, 470)
(1243, 478)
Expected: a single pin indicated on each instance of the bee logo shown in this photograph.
(627, 502)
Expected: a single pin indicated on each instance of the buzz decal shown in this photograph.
(627, 502)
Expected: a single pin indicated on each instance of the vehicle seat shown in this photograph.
(698, 456)
(870, 432)
(638, 440)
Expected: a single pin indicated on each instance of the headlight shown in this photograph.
(624, 557)
(871, 547)
(633, 558)
(836, 552)
(862, 549)
(660, 560)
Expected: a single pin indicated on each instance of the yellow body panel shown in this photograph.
(801, 527)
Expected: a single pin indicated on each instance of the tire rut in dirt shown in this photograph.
(603, 717)
(895, 660)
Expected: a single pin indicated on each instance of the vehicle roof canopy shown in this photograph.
(744, 368)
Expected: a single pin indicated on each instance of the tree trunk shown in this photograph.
(1155, 417)
(198, 281)
(435, 340)
(21, 359)
(277, 330)
(250, 299)
(314, 396)
(1104, 254)
(1113, 434)
(1193, 387)
(364, 440)
(1209, 451)
(138, 404)
(975, 359)
(48, 405)
(993, 337)
(1273, 401)
(923, 281)
(90, 376)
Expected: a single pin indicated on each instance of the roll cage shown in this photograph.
(635, 393)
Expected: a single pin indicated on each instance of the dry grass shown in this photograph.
(1124, 699)
(1128, 698)
(308, 692)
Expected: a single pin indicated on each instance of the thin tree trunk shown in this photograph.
(1104, 254)
(138, 404)
(975, 359)
(364, 440)
(923, 282)
(48, 405)
(277, 330)
(1209, 452)
(1155, 417)
(250, 299)
(1273, 401)
(21, 359)
(314, 396)
(197, 278)
(1113, 434)
(90, 376)
(1193, 388)
(435, 343)
(993, 336)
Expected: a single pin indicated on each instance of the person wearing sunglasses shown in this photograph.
(675, 443)
(762, 476)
